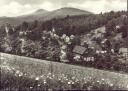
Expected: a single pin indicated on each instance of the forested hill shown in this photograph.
(43, 15)
(73, 24)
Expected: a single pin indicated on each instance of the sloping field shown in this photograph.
(36, 67)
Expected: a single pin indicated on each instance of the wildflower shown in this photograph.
(98, 81)
(37, 78)
(38, 85)
(2, 58)
(8, 68)
(32, 76)
(31, 87)
(66, 79)
(43, 38)
(45, 82)
(53, 75)
(69, 82)
(50, 77)
(21, 74)
(13, 68)
(59, 79)
(127, 86)
(84, 78)
(4, 63)
(102, 79)
(85, 82)
(42, 76)
(73, 77)
(73, 82)
(63, 75)
(76, 80)
(49, 73)
(111, 84)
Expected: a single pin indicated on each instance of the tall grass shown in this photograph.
(28, 73)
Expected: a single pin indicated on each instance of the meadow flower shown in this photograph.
(50, 77)
(76, 80)
(21, 74)
(45, 82)
(31, 87)
(73, 77)
(111, 84)
(42, 76)
(32, 76)
(4, 63)
(25, 74)
(69, 82)
(37, 78)
(84, 78)
(102, 79)
(73, 82)
(59, 79)
(13, 68)
(49, 73)
(53, 75)
(2, 58)
(127, 86)
(63, 75)
(98, 81)
(8, 68)
(38, 85)
(67, 79)
(47, 76)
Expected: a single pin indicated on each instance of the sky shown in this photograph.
(12, 8)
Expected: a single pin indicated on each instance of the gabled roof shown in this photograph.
(79, 50)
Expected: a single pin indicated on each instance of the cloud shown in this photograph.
(49, 6)
(14, 9)
(98, 6)
(20, 7)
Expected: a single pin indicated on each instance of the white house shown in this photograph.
(124, 52)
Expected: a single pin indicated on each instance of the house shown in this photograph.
(79, 52)
(124, 52)
(101, 51)
(124, 16)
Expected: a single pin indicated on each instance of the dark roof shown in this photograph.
(79, 50)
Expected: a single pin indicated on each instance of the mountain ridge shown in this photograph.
(44, 15)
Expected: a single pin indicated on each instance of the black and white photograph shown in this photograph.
(63, 45)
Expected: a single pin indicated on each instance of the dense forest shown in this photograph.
(53, 38)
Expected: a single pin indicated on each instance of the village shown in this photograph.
(85, 50)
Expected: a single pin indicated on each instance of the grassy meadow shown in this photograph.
(27, 73)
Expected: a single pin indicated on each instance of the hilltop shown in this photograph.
(43, 15)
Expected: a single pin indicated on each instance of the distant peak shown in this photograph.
(41, 10)
(70, 8)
